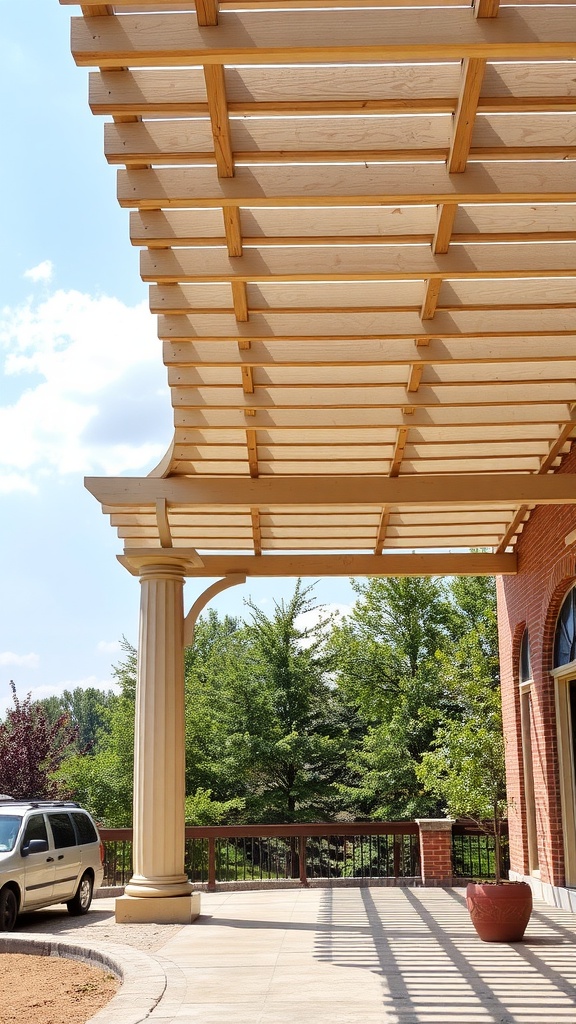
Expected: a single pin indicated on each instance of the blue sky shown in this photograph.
(82, 386)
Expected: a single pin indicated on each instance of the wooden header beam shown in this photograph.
(475, 490)
(466, 564)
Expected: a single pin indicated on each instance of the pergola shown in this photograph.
(358, 219)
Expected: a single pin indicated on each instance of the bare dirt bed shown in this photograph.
(50, 990)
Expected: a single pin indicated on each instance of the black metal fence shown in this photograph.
(473, 852)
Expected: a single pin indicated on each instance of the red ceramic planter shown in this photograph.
(500, 912)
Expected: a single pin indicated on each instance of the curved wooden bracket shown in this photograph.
(201, 602)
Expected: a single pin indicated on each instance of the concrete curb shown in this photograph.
(143, 977)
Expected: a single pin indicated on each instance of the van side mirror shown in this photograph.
(35, 846)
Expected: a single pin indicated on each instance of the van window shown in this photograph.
(35, 829)
(84, 827)
(63, 830)
(9, 827)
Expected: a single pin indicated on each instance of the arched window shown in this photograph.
(525, 666)
(565, 636)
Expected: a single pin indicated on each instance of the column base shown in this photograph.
(157, 910)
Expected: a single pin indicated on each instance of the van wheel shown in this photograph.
(80, 902)
(8, 909)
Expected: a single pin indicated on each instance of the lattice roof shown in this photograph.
(358, 221)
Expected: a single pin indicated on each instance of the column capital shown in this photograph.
(158, 564)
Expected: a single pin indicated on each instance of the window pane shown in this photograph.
(35, 829)
(525, 666)
(565, 639)
(63, 830)
(84, 827)
(9, 825)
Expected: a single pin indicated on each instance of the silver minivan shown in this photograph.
(50, 852)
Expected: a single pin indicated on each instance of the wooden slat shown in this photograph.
(520, 33)
(276, 353)
(334, 263)
(303, 187)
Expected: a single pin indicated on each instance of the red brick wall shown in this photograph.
(436, 852)
(532, 598)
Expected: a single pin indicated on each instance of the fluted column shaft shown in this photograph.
(159, 747)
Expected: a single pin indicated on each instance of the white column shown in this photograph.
(159, 753)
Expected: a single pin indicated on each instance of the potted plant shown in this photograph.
(466, 770)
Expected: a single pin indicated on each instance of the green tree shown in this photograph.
(87, 710)
(389, 654)
(297, 745)
(465, 768)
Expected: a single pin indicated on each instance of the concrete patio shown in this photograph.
(332, 956)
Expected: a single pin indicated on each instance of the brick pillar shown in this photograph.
(436, 850)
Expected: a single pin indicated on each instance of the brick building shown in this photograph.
(537, 627)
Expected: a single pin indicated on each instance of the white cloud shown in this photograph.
(43, 272)
(90, 389)
(22, 660)
(10, 482)
(109, 646)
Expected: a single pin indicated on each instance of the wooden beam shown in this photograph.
(415, 376)
(163, 523)
(96, 10)
(232, 230)
(444, 225)
(207, 12)
(463, 127)
(247, 380)
(256, 531)
(521, 33)
(391, 185)
(240, 301)
(518, 518)
(252, 447)
(399, 447)
(382, 528)
(338, 565)
(486, 8)
(482, 490)
(431, 293)
(218, 110)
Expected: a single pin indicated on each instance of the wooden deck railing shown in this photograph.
(272, 853)
(260, 853)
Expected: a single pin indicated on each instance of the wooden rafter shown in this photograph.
(472, 77)
(252, 447)
(382, 529)
(218, 111)
(256, 531)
